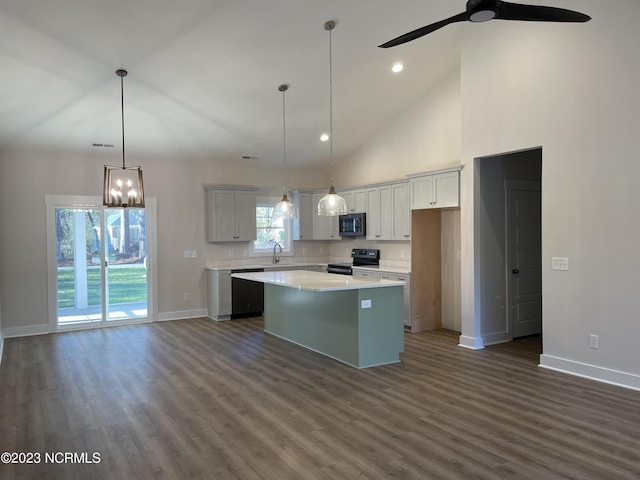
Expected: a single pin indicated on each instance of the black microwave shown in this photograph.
(353, 224)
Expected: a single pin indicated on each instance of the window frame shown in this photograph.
(287, 245)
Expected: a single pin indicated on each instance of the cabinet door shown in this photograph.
(360, 200)
(386, 212)
(373, 213)
(324, 227)
(348, 198)
(406, 293)
(422, 192)
(365, 275)
(303, 224)
(446, 190)
(245, 216)
(224, 307)
(401, 212)
(221, 215)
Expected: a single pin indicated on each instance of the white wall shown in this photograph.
(425, 137)
(572, 89)
(25, 178)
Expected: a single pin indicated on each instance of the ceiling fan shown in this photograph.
(484, 10)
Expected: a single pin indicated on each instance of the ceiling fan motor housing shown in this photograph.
(481, 10)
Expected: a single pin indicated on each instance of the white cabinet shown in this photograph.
(388, 213)
(365, 274)
(303, 223)
(219, 294)
(356, 200)
(406, 278)
(324, 227)
(379, 212)
(230, 214)
(438, 190)
(401, 212)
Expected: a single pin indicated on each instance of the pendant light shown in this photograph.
(284, 208)
(123, 186)
(331, 204)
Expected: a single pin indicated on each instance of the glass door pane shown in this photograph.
(78, 272)
(126, 260)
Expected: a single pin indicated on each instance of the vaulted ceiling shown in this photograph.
(204, 74)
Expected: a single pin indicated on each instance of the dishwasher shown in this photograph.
(247, 297)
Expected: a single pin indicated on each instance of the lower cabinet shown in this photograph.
(403, 277)
(219, 294)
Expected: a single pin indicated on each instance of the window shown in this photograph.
(271, 229)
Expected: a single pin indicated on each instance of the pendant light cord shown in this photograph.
(122, 110)
(284, 142)
(330, 110)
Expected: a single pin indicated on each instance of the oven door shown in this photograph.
(339, 269)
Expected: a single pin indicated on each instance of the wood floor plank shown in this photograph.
(201, 399)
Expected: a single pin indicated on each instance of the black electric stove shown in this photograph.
(362, 257)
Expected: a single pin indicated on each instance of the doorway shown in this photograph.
(98, 263)
(496, 229)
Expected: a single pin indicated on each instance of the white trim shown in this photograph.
(474, 343)
(13, 332)
(495, 338)
(592, 372)
(1, 346)
(181, 315)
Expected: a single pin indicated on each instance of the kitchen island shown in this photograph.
(358, 322)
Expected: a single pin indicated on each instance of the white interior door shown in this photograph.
(524, 256)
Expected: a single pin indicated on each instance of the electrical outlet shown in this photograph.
(594, 340)
(365, 304)
(559, 263)
(402, 253)
(186, 297)
(189, 254)
(230, 253)
(304, 250)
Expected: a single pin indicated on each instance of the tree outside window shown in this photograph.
(271, 229)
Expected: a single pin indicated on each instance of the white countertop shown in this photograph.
(315, 281)
(265, 266)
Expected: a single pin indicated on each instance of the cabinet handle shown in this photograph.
(377, 236)
(406, 236)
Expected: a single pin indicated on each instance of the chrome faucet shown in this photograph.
(276, 259)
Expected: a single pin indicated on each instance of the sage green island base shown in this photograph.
(358, 322)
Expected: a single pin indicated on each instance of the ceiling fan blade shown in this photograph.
(537, 13)
(407, 37)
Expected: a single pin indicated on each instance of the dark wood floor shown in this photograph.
(199, 399)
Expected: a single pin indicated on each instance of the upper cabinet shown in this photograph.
(303, 223)
(324, 227)
(435, 190)
(379, 213)
(230, 213)
(401, 212)
(356, 200)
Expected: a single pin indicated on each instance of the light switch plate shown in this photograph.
(189, 254)
(365, 304)
(559, 263)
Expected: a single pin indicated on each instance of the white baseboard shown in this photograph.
(12, 332)
(495, 338)
(474, 343)
(592, 372)
(181, 315)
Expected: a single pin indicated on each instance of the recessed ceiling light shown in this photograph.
(397, 67)
(324, 137)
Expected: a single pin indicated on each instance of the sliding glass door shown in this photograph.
(101, 265)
